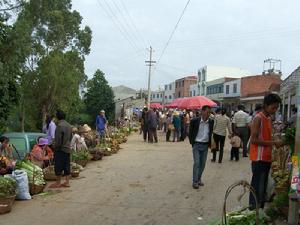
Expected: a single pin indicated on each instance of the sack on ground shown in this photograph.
(22, 185)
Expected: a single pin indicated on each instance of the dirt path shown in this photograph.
(144, 184)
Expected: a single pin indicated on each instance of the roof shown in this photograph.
(259, 85)
(192, 77)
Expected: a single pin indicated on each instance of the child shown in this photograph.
(236, 144)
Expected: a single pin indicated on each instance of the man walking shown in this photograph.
(62, 150)
(101, 124)
(240, 126)
(200, 138)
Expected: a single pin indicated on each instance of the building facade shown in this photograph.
(211, 73)
(194, 90)
(182, 86)
(169, 93)
(232, 94)
(288, 93)
(157, 96)
(254, 89)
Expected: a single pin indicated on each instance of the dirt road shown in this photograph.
(144, 184)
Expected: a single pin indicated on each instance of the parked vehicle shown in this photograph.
(23, 142)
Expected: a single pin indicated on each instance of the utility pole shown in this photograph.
(150, 64)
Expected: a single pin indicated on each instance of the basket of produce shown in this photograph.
(35, 176)
(7, 194)
(243, 216)
(75, 171)
(81, 157)
(96, 154)
(49, 173)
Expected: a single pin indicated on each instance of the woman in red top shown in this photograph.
(41, 153)
(261, 144)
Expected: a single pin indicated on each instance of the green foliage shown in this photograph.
(81, 155)
(290, 134)
(44, 57)
(99, 96)
(7, 187)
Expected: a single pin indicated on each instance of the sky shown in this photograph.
(234, 33)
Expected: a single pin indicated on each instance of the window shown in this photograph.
(166, 87)
(176, 84)
(161, 95)
(170, 87)
(157, 95)
(191, 94)
(179, 94)
(194, 93)
(234, 88)
(170, 96)
(227, 89)
(220, 89)
(166, 97)
(183, 83)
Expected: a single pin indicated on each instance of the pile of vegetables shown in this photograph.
(242, 217)
(81, 155)
(7, 187)
(289, 138)
(34, 173)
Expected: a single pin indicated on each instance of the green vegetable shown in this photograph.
(7, 187)
(34, 173)
(290, 134)
(81, 155)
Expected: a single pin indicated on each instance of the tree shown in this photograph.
(99, 96)
(49, 48)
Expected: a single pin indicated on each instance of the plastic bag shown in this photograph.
(22, 185)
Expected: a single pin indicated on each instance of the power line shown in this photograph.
(111, 16)
(129, 26)
(175, 28)
(132, 22)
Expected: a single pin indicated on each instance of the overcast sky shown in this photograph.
(236, 33)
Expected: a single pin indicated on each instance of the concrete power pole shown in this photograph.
(150, 64)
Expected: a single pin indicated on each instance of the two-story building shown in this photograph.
(169, 93)
(157, 96)
(232, 94)
(182, 86)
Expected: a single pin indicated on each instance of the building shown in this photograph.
(169, 93)
(215, 89)
(157, 96)
(182, 86)
(211, 73)
(194, 90)
(254, 89)
(288, 93)
(232, 94)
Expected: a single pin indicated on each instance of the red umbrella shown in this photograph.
(174, 104)
(196, 102)
(155, 106)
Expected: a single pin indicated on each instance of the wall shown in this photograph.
(231, 84)
(194, 90)
(157, 96)
(169, 92)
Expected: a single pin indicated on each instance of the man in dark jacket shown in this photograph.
(200, 133)
(152, 126)
(62, 150)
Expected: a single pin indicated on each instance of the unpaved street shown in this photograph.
(144, 184)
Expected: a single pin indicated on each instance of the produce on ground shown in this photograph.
(7, 187)
(35, 174)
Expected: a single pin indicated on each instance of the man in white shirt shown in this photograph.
(200, 138)
(240, 126)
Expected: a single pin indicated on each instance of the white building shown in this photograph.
(194, 90)
(210, 73)
(169, 93)
(232, 89)
(157, 96)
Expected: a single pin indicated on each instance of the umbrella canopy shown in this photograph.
(155, 106)
(196, 102)
(174, 104)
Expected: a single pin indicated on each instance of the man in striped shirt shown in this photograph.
(240, 126)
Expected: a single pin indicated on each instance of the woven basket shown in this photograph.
(82, 162)
(49, 173)
(6, 204)
(36, 189)
(75, 174)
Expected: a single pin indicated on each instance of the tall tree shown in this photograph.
(51, 48)
(99, 96)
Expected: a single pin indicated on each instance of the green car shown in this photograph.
(23, 142)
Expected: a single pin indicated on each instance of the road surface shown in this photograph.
(144, 184)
